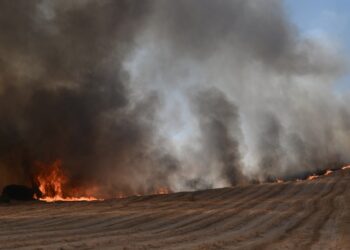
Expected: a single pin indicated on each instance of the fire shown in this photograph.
(312, 177)
(328, 172)
(51, 181)
(162, 190)
(53, 185)
(315, 176)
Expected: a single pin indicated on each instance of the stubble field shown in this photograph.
(311, 214)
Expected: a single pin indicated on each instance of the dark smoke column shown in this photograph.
(64, 94)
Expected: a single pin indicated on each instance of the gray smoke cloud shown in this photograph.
(64, 95)
(245, 95)
(135, 95)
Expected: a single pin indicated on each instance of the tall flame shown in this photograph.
(52, 183)
(51, 180)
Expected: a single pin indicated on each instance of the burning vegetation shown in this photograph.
(52, 181)
(314, 176)
(53, 184)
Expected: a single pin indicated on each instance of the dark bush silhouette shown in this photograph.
(17, 192)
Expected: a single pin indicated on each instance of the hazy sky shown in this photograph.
(325, 19)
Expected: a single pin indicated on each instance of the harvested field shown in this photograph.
(312, 214)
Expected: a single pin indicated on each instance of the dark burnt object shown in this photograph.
(17, 192)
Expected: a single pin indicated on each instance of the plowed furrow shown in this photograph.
(293, 215)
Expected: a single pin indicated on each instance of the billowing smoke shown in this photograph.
(133, 95)
(245, 95)
(64, 94)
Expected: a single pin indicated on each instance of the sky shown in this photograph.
(324, 19)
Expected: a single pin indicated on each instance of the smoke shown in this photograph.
(217, 118)
(246, 95)
(134, 95)
(64, 93)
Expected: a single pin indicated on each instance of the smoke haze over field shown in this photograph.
(134, 95)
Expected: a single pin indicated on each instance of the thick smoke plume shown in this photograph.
(65, 95)
(134, 95)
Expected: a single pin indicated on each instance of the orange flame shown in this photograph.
(162, 190)
(328, 172)
(312, 177)
(51, 181)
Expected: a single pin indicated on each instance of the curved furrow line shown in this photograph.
(77, 223)
(55, 222)
(313, 211)
(330, 231)
(184, 219)
(230, 219)
(244, 232)
(202, 195)
(38, 222)
(140, 225)
(308, 208)
(131, 219)
(275, 223)
(233, 225)
(326, 209)
(21, 211)
(208, 213)
(69, 237)
(152, 236)
(107, 237)
(211, 219)
(48, 223)
(40, 219)
(160, 224)
(264, 214)
(231, 193)
(85, 225)
(72, 218)
(213, 194)
(213, 201)
(132, 222)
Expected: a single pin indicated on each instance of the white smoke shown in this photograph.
(289, 121)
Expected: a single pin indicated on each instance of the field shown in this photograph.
(313, 214)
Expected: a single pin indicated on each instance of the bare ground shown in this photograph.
(295, 215)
